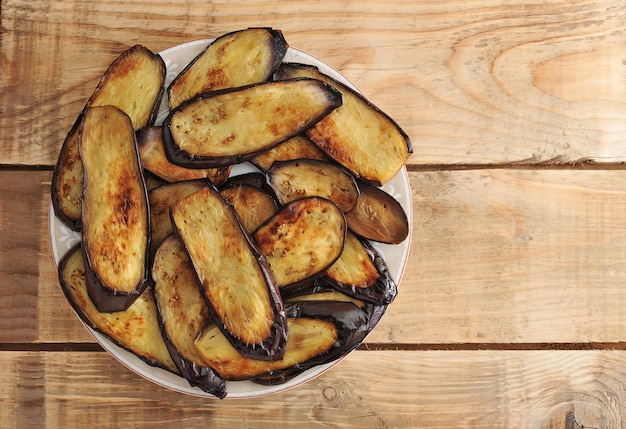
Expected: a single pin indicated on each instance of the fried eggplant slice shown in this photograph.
(361, 272)
(319, 332)
(300, 178)
(235, 59)
(301, 240)
(134, 83)
(357, 135)
(154, 160)
(235, 278)
(253, 205)
(161, 200)
(182, 314)
(231, 126)
(67, 181)
(135, 329)
(378, 216)
(297, 147)
(115, 213)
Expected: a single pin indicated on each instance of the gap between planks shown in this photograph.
(618, 345)
(530, 164)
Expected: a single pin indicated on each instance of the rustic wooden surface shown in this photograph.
(510, 313)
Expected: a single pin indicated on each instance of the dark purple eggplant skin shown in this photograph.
(108, 300)
(383, 292)
(255, 179)
(352, 323)
(79, 312)
(203, 377)
(180, 157)
(74, 224)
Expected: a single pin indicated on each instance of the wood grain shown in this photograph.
(509, 312)
(490, 82)
(436, 389)
(498, 256)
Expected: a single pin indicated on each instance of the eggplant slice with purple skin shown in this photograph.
(182, 314)
(134, 83)
(235, 279)
(361, 272)
(358, 135)
(234, 125)
(154, 160)
(319, 332)
(301, 240)
(161, 201)
(297, 147)
(135, 329)
(378, 216)
(234, 59)
(115, 210)
(253, 205)
(300, 178)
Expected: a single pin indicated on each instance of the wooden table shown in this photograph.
(510, 310)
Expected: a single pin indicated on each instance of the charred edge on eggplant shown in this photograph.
(154, 160)
(267, 235)
(69, 157)
(179, 156)
(61, 191)
(353, 326)
(273, 347)
(197, 374)
(382, 292)
(103, 296)
(64, 264)
(324, 135)
(217, 77)
(124, 68)
(289, 179)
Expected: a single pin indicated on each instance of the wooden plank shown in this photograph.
(32, 305)
(513, 256)
(471, 82)
(436, 389)
(498, 256)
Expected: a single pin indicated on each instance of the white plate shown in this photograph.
(176, 58)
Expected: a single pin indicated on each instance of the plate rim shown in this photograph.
(160, 376)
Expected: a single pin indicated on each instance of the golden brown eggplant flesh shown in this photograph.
(361, 272)
(357, 135)
(154, 160)
(134, 83)
(235, 279)
(161, 200)
(115, 213)
(307, 339)
(297, 147)
(235, 59)
(135, 329)
(253, 205)
(301, 240)
(378, 216)
(182, 314)
(319, 332)
(300, 178)
(232, 126)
